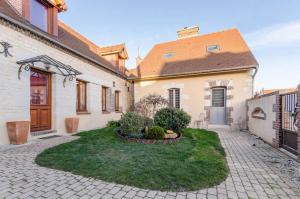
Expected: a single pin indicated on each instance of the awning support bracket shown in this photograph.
(67, 71)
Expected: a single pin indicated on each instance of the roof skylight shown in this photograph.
(212, 48)
(169, 55)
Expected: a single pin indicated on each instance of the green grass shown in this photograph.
(196, 161)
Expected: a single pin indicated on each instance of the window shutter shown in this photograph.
(177, 98)
(111, 99)
(171, 100)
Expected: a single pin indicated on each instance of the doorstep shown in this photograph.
(217, 126)
(39, 134)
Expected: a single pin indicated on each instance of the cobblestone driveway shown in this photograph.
(250, 176)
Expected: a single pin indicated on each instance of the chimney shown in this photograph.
(138, 60)
(188, 32)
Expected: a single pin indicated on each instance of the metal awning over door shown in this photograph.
(49, 63)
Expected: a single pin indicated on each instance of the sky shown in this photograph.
(271, 28)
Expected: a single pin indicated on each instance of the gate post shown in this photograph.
(278, 121)
(298, 121)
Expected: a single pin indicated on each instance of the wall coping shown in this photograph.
(263, 96)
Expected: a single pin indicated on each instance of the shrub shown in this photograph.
(148, 122)
(148, 106)
(113, 123)
(155, 132)
(131, 123)
(171, 118)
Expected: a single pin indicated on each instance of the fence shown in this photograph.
(275, 118)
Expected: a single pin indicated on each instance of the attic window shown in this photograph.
(39, 15)
(168, 55)
(212, 48)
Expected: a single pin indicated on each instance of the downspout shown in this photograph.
(253, 76)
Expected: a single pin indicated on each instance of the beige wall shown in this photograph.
(263, 128)
(15, 94)
(195, 92)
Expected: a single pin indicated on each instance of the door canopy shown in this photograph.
(49, 63)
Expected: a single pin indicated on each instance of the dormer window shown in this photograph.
(39, 15)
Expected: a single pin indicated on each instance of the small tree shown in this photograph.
(150, 104)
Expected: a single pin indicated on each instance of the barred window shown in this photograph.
(174, 97)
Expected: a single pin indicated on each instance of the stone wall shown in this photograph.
(262, 117)
(298, 121)
(15, 94)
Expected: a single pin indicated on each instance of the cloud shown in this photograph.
(277, 35)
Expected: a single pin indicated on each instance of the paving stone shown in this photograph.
(250, 176)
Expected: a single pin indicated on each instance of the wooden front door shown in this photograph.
(40, 100)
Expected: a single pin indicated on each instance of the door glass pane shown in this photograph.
(39, 88)
(218, 98)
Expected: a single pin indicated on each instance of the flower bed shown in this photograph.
(149, 141)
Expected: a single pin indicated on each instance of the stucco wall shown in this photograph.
(196, 92)
(15, 94)
(263, 127)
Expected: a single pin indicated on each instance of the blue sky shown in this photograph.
(270, 27)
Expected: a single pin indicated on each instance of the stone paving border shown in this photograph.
(250, 176)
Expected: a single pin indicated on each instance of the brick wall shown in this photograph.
(277, 123)
(17, 4)
(298, 124)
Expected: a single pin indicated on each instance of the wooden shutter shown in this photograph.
(111, 99)
(171, 98)
(177, 98)
(104, 99)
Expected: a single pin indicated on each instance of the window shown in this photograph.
(169, 55)
(39, 15)
(218, 97)
(174, 97)
(212, 48)
(104, 99)
(117, 101)
(81, 96)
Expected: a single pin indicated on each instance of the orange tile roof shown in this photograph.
(66, 37)
(186, 56)
(120, 48)
(284, 90)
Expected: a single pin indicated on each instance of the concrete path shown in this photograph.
(251, 176)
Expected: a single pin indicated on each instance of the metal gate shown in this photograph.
(289, 118)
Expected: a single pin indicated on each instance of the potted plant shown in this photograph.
(72, 124)
(18, 131)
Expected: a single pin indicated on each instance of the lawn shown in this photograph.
(197, 161)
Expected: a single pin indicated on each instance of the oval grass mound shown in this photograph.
(197, 161)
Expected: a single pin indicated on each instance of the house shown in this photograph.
(50, 72)
(210, 76)
(270, 91)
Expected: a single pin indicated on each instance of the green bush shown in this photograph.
(155, 132)
(113, 123)
(148, 121)
(172, 119)
(131, 123)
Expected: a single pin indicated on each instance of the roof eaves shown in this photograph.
(232, 69)
(23, 26)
